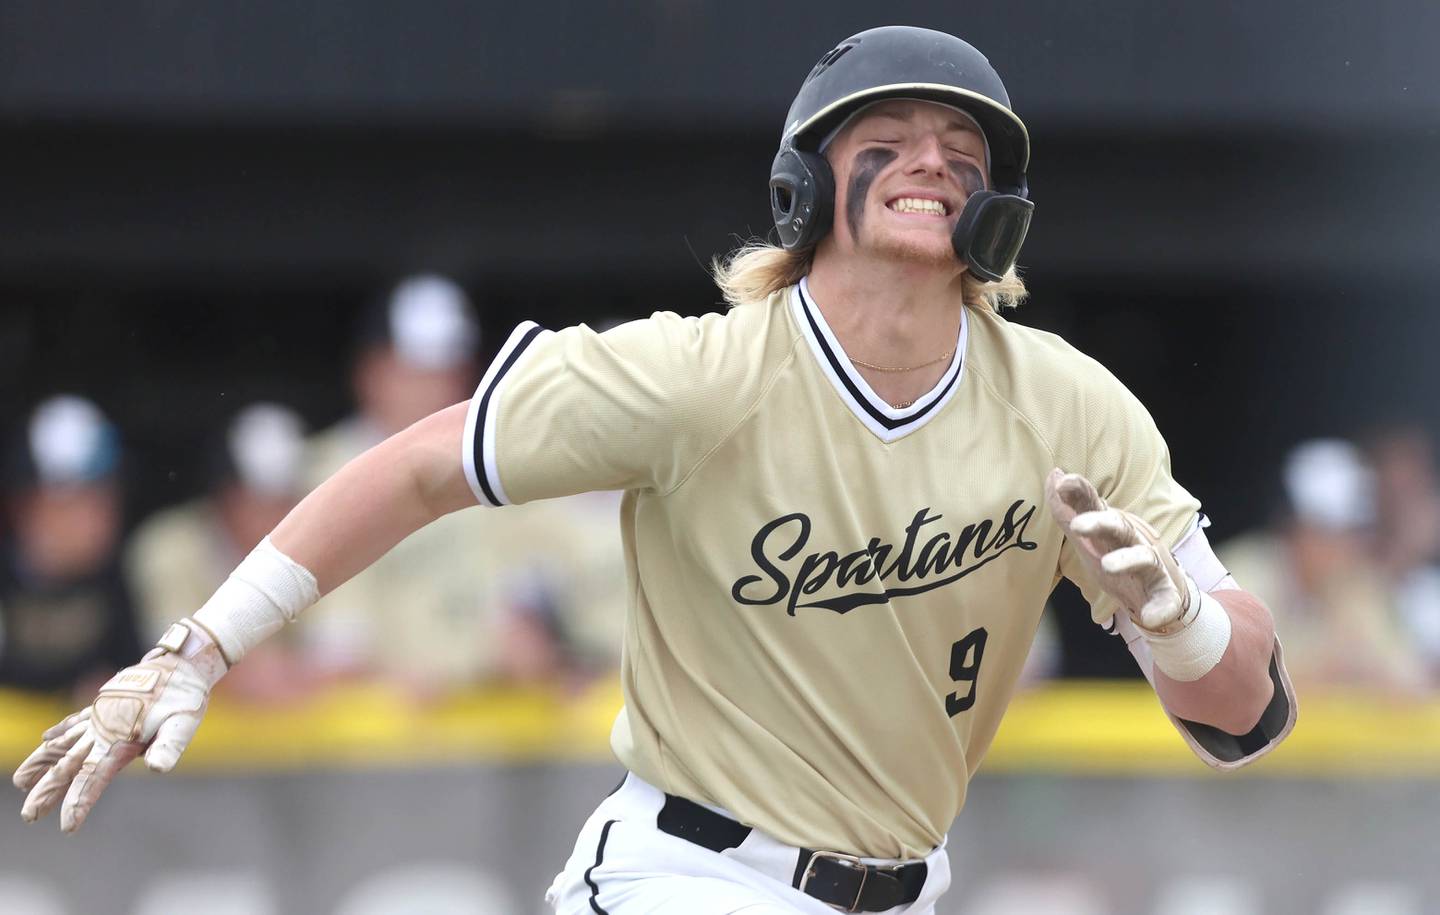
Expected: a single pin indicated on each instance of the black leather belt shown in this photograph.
(836, 879)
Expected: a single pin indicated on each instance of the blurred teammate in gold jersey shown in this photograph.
(844, 511)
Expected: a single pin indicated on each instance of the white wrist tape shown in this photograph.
(1192, 652)
(267, 590)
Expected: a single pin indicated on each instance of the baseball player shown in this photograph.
(846, 501)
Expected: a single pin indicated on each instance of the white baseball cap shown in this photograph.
(1329, 484)
(70, 441)
(266, 445)
(430, 323)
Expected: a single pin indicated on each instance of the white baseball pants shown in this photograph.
(624, 865)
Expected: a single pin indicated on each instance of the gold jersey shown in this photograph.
(831, 599)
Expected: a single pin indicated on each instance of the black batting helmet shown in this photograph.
(904, 62)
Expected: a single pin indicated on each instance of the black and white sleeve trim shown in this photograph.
(478, 446)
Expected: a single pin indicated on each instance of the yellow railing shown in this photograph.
(1074, 727)
(1106, 727)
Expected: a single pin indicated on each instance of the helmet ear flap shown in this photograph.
(802, 197)
(990, 231)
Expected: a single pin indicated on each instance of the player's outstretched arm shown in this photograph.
(1211, 651)
(378, 499)
(154, 707)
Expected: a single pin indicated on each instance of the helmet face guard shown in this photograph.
(990, 231)
(904, 62)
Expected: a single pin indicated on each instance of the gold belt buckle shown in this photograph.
(844, 860)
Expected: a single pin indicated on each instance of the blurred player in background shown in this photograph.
(415, 353)
(1407, 531)
(179, 556)
(532, 599)
(573, 563)
(66, 618)
(844, 512)
(1316, 569)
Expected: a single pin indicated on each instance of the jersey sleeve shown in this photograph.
(560, 413)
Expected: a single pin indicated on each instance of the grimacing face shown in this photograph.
(903, 171)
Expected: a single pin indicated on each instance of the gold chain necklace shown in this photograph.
(890, 368)
(887, 368)
(909, 368)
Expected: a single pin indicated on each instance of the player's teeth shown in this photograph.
(918, 205)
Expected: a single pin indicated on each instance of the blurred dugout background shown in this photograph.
(208, 215)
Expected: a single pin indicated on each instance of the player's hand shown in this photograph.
(153, 708)
(1124, 553)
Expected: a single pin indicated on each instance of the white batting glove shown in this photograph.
(153, 707)
(1125, 554)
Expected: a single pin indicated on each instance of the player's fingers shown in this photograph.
(1106, 525)
(1162, 609)
(97, 771)
(1088, 548)
(46, 755)
(1060, 507)
(67, 724)
(1057, 505)
(51, 787)
(171, 740)
(1102, 612)
(1131, 560)
(1078, 493)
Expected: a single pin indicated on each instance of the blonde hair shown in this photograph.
(757, 269)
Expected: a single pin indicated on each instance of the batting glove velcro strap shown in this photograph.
(153, 708)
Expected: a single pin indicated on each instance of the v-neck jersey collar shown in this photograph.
(886, 422)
